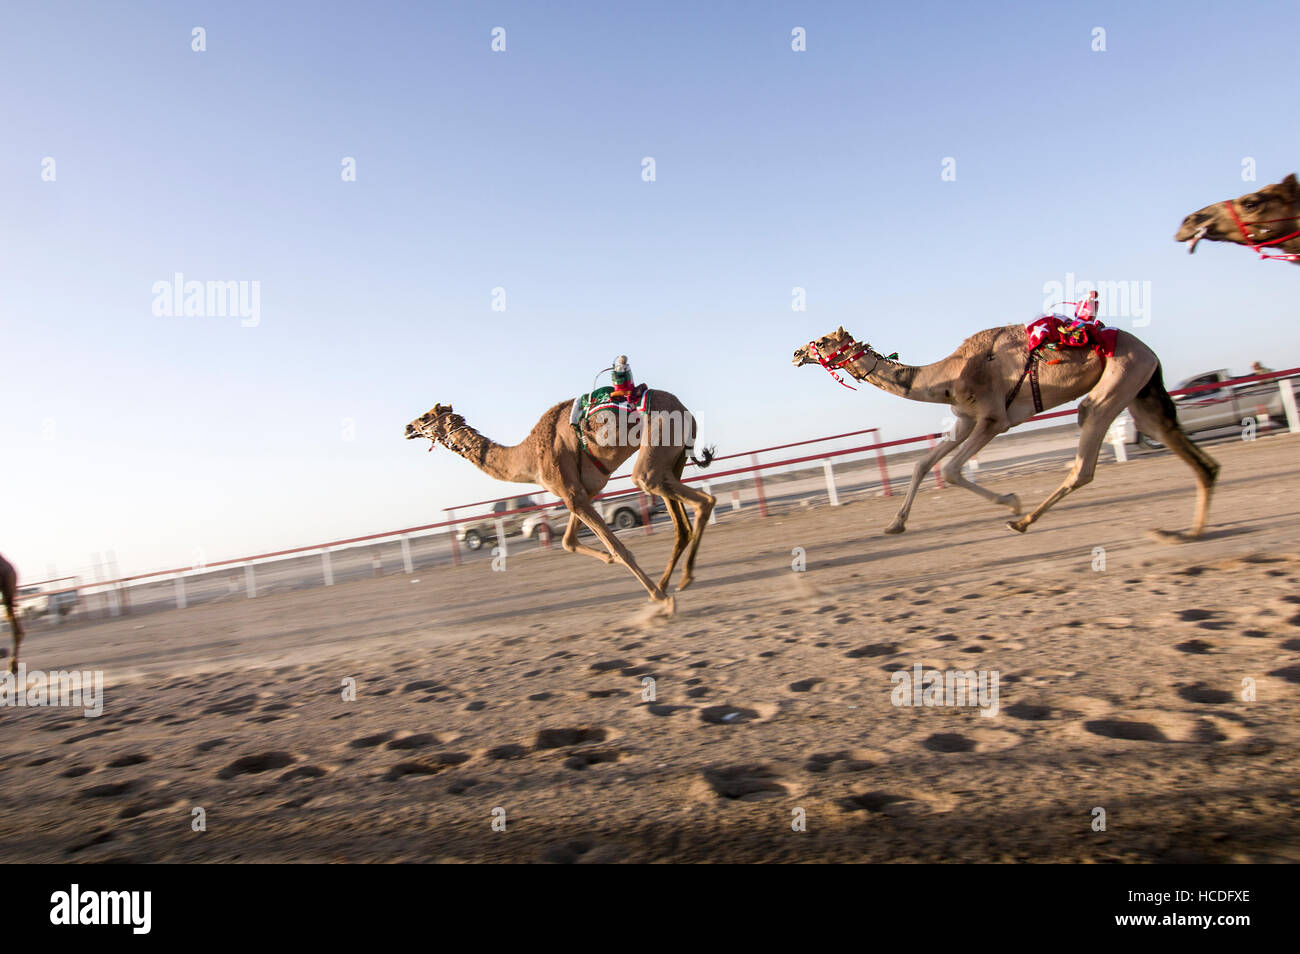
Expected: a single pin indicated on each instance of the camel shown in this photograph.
(9, 593)
(1269, 218)
(574, 470)
(981, 381)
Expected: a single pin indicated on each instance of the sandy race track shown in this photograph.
(1119, 688)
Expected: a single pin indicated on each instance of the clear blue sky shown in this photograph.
(157, 437)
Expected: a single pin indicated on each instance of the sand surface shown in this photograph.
(523, 691)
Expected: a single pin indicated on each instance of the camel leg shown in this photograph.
(985, 431)
(1154, 413)
(672, 489)
(1115, 391)
(682, 529)
(935, 454)
(571, 544)
(580, 506)
(17, 630)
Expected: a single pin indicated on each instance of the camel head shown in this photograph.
(435, 424)
(1266, 215)
(826, 345)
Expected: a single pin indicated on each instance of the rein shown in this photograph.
(446, 439)
(830, 363)
(1258, 247)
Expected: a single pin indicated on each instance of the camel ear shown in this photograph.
(840, 330)
(1291, 187)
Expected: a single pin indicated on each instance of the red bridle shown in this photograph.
(1258, 247)
(829, 361)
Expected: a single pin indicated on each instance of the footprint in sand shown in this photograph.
(581, 851)
(254, 764)
(609, 664)
(98, 838)
(432, 765)
(304, 772)
(123, 761)
(847, 760)
(1028, 712)
(582, 760)
(873, 649)
(111, 789)
(147, 805)
(804, 685)
(747, 782)
(562, 738)
(508, 752)
(1202, 693)
(1129, 731)
(236, 706)
(1197, 647)
(973, 740)
(663, 709)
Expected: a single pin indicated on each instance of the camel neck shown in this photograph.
(914, 382)
(514, 464)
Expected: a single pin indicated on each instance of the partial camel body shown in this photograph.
(978, 382)
(1267, 219)
(552, 457)
(9, 594)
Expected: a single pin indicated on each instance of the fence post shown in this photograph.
(938, 478)
(250, 584)
(1117, 442)
(645, 511)
(884, 472)
(325, 566)
(406, 554)
(451, 532)
(758, 487)
(830, 482)
(1288, 403)
(181, 602)
(501, 535)
(713, 514)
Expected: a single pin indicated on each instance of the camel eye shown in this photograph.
(1250, 205)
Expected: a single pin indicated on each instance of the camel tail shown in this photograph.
(705, 458)
(1156, 404)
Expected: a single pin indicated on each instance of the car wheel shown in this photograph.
(473, 539)
(625, 519)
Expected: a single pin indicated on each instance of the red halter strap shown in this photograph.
(831, 365)
(1257, 247)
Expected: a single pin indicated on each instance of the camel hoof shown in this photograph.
(1170, 536)
(1012, 501)
(1020, 526)
(895, 527)
(686, 581)
(667, 606)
